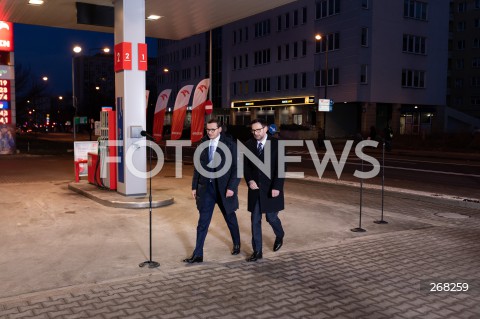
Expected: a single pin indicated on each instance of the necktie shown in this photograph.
(260, 148)
(211, 149)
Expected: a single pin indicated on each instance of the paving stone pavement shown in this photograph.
(370, 277)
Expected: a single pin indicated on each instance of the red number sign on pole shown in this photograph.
(123, 56)
(142, 57)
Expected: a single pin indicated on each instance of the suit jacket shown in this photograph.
(268, 204)
(224, 182)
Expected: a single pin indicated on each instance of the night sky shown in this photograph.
(48, 52)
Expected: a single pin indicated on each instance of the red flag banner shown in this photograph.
(198, 110)
(159, 116)
(180, 110)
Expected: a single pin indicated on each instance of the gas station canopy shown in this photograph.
(179, 18)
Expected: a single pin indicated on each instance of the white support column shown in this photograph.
(130, 98)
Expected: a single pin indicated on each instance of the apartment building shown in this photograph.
(381, 62)
(464, 59)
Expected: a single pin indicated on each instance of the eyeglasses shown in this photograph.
(258, 130)
(211, 130)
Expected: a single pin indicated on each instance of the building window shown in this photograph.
(279, 53)
(234, 88)
(461, 26)
(234, 37)
(240, 62)
(262, 28)
(459, 63)
(476, 23)
(333, 40)
(295, 18)
(414, 44)
(363, 74)
(262, 85)
(246, 60)
(287, 82)
(364, 4)
(304, 15)
(287, 51)
(476, 81)
(413, 78)
(279, 23)
(246, 34)
(261, 57)
(458, 83)
(415, 9)
(333, 77)
(303, 84)
(364, 41)
(476, 43)
(476, 62)
(297, 119)
(326, 8)
(279, 83)
(462, 6)
(475, 100)
(295, 49)
(234, 62)
(461, 45)
(295, 81)
(246, 87)
(287, 20)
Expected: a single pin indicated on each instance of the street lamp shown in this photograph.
(77, 49)
(318, 37)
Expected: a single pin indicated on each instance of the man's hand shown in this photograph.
(275, 192)
(194, 193)
(252, 184)
(229, 193)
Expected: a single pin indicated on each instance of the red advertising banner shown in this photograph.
(198, 110)
(159, 116)
(6, 36)
(123, 56)
(180, 110)
(142, 57)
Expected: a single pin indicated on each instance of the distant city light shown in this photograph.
(154, 17)
(35, 2)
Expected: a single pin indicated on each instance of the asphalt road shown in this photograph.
(456, 174)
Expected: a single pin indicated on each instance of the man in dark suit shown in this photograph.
(265, 193)
(215, 181)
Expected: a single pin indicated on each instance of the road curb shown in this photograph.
(428, 197)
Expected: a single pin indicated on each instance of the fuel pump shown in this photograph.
(108, 168)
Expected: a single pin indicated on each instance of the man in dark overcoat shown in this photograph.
(215, 181)
(265, 191)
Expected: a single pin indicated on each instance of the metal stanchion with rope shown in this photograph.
(359, 229)
(382, 221)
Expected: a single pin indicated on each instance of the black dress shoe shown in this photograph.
(236, 249)
(278, 243)
(193, 259)
(255, 256)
